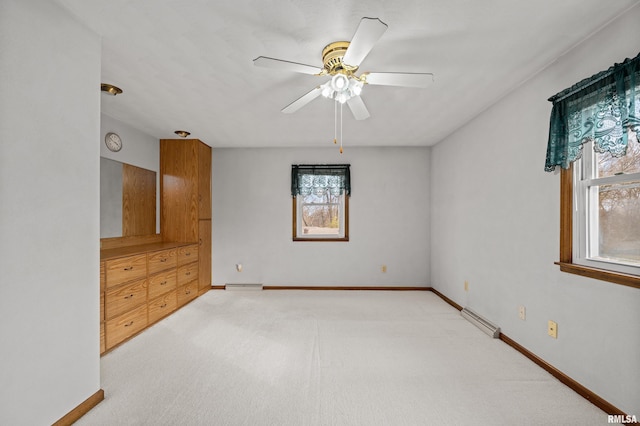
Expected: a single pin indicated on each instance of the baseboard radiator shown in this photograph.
(245, 286)
(483, 324)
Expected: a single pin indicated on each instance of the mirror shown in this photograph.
(127, 200)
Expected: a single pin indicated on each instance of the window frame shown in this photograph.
(344, 185)
(566, 261)
(344, 214)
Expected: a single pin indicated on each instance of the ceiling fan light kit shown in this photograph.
(341, 60)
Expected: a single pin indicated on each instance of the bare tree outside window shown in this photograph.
(619, 206)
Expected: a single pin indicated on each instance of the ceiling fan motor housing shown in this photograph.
(332, 56)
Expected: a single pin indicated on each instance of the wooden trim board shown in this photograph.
(82, 409)
(348, 288)
(446, 299)
(587, 394)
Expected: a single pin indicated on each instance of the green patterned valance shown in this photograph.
(601, 109)
(319, 178)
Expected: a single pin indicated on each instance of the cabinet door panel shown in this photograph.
(204, 182)
(204, 255)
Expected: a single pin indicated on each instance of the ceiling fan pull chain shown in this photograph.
(335, 121)
(340, 128)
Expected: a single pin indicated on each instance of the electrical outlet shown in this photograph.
(552, 329)
(383, 268)
(466, 285)
(522, 313)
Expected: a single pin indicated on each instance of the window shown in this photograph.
(320, 202)
(593, 136)
(606, 222)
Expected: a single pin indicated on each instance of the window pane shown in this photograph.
(321, 213)
(320, 219)
(619, 222)
(607, 165)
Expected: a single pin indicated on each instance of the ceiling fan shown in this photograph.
(341, 60)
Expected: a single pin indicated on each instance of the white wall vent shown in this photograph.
(243, 286)
(483, 324)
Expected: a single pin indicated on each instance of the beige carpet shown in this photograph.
(327, 358)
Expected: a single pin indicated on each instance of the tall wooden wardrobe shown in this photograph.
(185, 199)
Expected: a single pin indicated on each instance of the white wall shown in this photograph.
(49, 300)
(138, 149)
(495, 222)
(388, 223)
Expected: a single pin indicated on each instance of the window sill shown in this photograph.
(600, 274)
(333, 240)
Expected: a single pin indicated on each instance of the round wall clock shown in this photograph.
(113, 141)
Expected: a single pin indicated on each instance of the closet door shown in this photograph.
(204, 182)
(204, 272)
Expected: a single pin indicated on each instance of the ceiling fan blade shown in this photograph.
(419, 80)
(368, 33)
(358, 108)
(279, 64)
(302, 101)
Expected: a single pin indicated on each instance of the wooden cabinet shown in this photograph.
(139, 285)
(145, 278)
(103, 279)
(185, 193)
(204, 256)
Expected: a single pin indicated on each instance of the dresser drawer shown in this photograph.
(102, 277)
(187, 273)
(187, 254)
(162, 306)
(102, 306)
(125, 269)
(187, 292)
(161, 260)
(162, 283)
(103, 346)
(126, 325)
(124, 298)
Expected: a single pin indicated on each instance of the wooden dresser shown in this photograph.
(141, 284)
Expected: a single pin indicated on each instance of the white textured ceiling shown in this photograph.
(187, 64)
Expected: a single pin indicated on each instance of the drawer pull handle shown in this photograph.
(187, 292)
(129, 296)
(128, 268)
(163, 306)
(188, 273)
(163, 260)
(188, 254)
(163, 283)
(130, 323)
